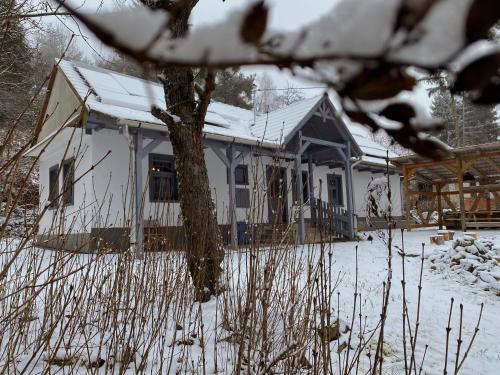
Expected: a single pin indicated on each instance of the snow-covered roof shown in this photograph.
(373, 152)
(130, 99)
(278, 125)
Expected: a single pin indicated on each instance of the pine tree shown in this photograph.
(466, 123)
(15, 63)
(234, 88)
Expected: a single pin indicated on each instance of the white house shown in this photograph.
(109, 162)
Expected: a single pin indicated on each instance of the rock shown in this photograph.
(471, 256)
(468, 264)
(468, 277)
(480, 247)
(495, 273)
(472, 249)
(487, 277)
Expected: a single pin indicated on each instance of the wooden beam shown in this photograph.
(232, 197)
(299, 190)
(493, 165)
(460, 179)
(440, 207)
(139, 196)
(407, 197)
(322, 142)
(312, 201)
(450, 203)
(349, 190)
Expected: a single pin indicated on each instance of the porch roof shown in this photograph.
(479, 161)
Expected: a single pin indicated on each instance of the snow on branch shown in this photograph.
(353, 28)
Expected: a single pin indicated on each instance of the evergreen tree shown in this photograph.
(234, 88)
(15, 63)
(466, 123)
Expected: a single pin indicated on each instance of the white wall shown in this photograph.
(360, 189)
(70, 142)
(102, 198)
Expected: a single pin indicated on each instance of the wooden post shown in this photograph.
(232, 197)
(312, 202)
(406, 190)
(348, 189)
(440, 206)
(460, 181)
(300, 197)
(139, 209)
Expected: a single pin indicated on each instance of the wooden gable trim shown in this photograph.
(41, 115)
(304, 120)
(343, 127)
(43, 111)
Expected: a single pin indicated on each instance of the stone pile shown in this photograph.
(476, 261)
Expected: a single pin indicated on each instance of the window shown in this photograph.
(162, 179)
(242, 198)
(335, 195)
(240, 175)
(305, 186)
(68, 171)
(53, 185)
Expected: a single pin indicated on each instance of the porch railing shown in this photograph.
(332, 219)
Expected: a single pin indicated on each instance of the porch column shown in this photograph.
(312, 202)
(232, 197)
(349, 188)
(460, 181)
(300, 196)
(440, 205)
(139, 204)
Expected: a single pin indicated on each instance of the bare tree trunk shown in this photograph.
(204, 251)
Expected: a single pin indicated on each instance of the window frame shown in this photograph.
(245, 181)
(68, 192)
(152, 157)
(339, 188)
(53, 196)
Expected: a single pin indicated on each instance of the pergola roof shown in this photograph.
(480, 161)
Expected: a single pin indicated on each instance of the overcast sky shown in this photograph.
(284, 15)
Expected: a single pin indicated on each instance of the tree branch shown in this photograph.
(204, 99)
(165, 117)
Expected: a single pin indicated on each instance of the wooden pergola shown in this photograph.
(466, 183)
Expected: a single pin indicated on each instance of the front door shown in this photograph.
(277, 201)
(334, 182)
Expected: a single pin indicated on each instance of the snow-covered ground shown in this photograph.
(437, 290)
(93, 341)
